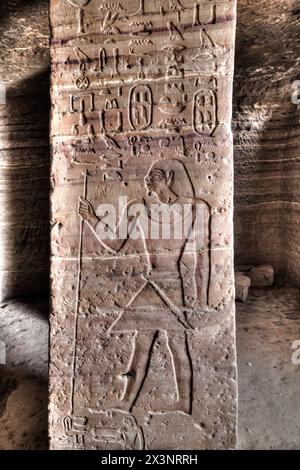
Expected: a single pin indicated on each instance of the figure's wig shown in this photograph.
(181, 184)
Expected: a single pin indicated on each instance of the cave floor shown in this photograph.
(23, 378)
(269, 383)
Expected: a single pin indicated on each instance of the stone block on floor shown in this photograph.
(262, 276)
(242, 285)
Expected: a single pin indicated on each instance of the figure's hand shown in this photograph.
(86, 211)
(190, 300)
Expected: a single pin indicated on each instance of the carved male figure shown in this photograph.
(177, 276)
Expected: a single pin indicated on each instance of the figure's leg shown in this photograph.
(182, 365)
(138, 368)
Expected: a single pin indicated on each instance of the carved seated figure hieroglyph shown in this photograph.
(176, 238)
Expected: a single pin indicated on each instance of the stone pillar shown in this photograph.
(143, 344)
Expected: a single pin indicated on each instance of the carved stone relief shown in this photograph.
(143, 348)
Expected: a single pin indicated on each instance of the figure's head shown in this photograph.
(157, 180)
(168, 175)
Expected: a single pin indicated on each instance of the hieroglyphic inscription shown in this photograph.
(80, 4)
(142, 260)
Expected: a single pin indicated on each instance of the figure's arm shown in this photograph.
(108, 236)
(195, 259)
(188, 273)
(203, 254)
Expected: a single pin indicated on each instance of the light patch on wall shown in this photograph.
(2, 352)
(2, 93)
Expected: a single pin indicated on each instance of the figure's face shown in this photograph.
(155, 181)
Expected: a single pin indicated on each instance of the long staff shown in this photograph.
(77, 299)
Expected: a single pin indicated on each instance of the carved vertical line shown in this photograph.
(77, 299)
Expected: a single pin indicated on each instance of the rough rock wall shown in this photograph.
(266, 127)
(24, 148)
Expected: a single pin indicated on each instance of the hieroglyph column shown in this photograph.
(142, 325)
